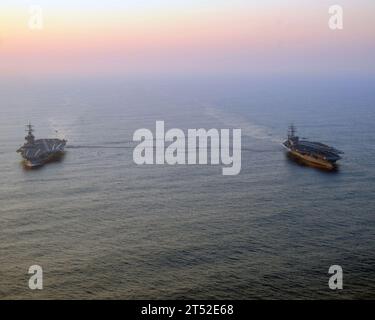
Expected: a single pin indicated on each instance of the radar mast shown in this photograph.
(30, 137)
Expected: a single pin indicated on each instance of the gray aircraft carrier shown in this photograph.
(314, 153)
(38, 152)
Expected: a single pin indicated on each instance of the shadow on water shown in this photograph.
(292, 160)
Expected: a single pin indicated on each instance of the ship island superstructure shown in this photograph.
(37, 152)
(312, 153)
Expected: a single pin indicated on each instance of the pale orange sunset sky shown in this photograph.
(159, 35)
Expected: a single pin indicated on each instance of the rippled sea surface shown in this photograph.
(103, 227)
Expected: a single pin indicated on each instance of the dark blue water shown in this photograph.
(103, 227)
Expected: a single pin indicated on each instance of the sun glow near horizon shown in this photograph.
(159, 35)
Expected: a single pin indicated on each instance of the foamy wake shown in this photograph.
(248, 129)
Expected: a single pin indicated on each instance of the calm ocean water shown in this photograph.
(103, 227)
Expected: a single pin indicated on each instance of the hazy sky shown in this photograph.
(263, 36)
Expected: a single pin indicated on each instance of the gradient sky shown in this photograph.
(270, 36)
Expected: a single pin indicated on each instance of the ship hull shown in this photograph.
(312, 161)
(37, 163)
(309, 160)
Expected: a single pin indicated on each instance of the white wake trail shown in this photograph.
(248, 129)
